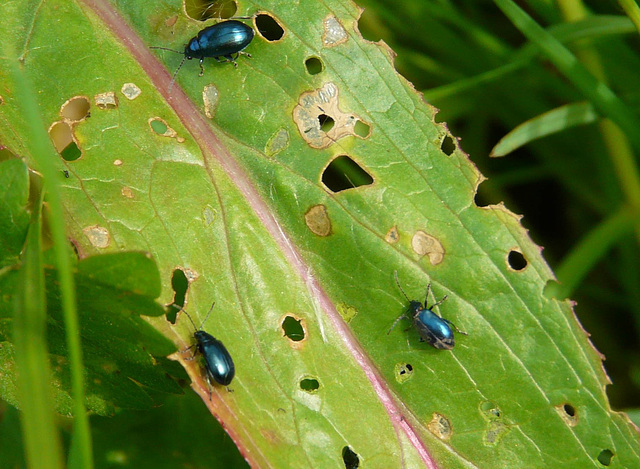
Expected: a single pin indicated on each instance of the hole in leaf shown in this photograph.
(403, 371)
(293, 329)
(326, 122)
(314, 65)
(71, 152)
(447, 145)
(486, 195)
(568, 414)
(351, 460)
(268, 27)
(605, 457)
(158, 126)
(203, 10)
(61, 136)
(516, 260)
(344, 173)
(180, 284)
(74, 249)
(553, 290)
(490, 410)
(309, 384)
(76, 108)
(361, 129)
(569, 410)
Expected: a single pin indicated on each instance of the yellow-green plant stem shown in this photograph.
(630, 7)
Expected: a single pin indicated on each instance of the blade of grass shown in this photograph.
(586, 254)
(630, 7)
(590, 28)
(42, 441)
(556, 120)
(42, 152)
(601, 96)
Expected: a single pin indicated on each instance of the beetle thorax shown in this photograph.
(415, 307)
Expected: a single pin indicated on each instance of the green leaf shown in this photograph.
(238, 202)
(556, 120)
(14, 220)
(132, 271)
(191, 438)
(119, 346)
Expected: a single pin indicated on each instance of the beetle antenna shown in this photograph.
(173, 78)
(395, 273)
(166, 48)
(207, 316)
(182, 310)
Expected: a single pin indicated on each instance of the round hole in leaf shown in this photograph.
(203, 10)
(71, 152)
(159, 126)
(313, 65)
(350, 458)
(268, 27)
(605, 457)
(516, 260)
(569, 410)
(361, 129)
(76, 108)
(326, 122)
(447, 145)
(309, 384)
(293, 329)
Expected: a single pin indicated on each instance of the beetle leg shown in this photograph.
(396, 322)
(240, 52)
(194, 354)
(438, 303)
(454, 326)
(201, 67)
(426, 297)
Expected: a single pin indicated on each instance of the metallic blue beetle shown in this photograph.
(432, 328)
(219, 40)
(218, 362)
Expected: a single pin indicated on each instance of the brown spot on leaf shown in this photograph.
(318, 221)
(130, 91)
(392, 235)
(440, 426)
(106, 100)
(334, 33)
(127, 192)
(319, 118)
(210, 97)
(426, 245)
(98, 236)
